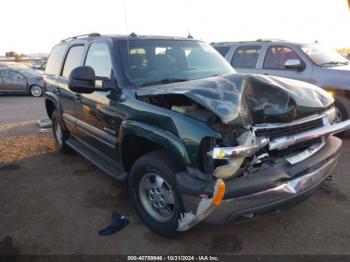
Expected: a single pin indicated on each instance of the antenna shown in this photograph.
(189, 35)
(126, 29)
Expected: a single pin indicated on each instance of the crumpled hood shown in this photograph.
(249, 99)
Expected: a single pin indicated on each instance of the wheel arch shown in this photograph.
(137, 139)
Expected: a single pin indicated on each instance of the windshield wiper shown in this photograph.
(335, 63)
(164, 81)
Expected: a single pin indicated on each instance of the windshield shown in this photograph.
(164, 61)
(324, 56)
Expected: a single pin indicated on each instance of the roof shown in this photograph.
(275, 41)
(125, 37)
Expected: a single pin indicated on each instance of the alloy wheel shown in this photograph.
(157, 197)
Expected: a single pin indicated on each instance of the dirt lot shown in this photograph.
(55, 204)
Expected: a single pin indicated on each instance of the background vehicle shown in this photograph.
(193, 139)
(17, 80)
(39, 67)
(306, 62)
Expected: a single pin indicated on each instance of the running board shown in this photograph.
(102, 162)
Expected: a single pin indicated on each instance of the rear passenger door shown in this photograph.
(245, 58)
(68, 98)
(274, 61)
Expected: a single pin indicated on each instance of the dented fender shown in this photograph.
(159, 136)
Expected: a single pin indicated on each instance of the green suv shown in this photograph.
(193, 140)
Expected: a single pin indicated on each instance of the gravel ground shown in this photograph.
(55, 204)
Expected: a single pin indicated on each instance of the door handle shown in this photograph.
(266, 74)
(78, 97)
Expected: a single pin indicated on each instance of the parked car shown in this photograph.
(193, 139)
(306, 62)
(20, 80)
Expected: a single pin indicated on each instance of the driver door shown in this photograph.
(98, 121)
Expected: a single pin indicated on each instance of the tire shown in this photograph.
(36, 91)
(149, 168)
(342, 105)
(60, 134)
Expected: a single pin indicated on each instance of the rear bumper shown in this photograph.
(274, 188)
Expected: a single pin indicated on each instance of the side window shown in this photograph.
(18, 77)
(55, 59)
(246, 56)
(73, 59)
(99, 59)
(276, 57)
(222, 49)
(11, 76)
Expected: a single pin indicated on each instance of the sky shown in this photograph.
(32, 26)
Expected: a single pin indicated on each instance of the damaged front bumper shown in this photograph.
(264, 191)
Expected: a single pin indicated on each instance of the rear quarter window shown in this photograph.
(55, 59)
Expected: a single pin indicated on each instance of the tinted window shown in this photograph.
(276, 57)
(99, 59)
(73, 59)
(222, 49)
(54, 60)
(246, 57)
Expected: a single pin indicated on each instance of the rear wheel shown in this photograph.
(342, 107)
(152, 187)
(36, 91)
(60, 134)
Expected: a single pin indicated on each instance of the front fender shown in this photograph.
(165, 139)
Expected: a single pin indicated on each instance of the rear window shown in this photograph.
(222, 49)
(55, 59)
(246, 57)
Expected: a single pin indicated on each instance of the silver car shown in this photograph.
(21, 81)
(306, 62)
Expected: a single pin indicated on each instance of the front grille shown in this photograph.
(290, 129)
(296, 147)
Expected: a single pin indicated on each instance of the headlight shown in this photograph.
(330, 93)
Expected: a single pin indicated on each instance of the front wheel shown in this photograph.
(152, 187)
(36, 91)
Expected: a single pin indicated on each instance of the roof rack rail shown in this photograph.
(270, 40)
(81, 36)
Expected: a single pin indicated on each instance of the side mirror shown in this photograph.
(82, 80)
(294, 64)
